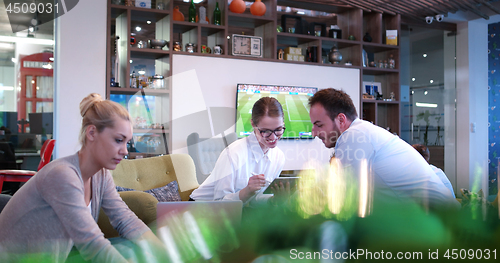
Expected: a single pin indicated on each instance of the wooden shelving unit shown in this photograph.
(159, 24)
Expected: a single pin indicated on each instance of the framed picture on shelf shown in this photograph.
(372, 88)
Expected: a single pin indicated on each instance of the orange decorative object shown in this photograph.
(258, 8)
(237, 6)
(178, 16)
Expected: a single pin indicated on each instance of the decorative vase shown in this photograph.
(237, 6)
(177, 15)
(258, 8)
(334, 55)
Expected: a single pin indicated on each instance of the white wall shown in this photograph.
(472, 101)
(80, 68)
(7, 76)
(201, 82)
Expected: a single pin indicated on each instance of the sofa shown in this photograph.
(145, 174)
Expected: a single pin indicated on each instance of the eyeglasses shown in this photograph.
(267, 133)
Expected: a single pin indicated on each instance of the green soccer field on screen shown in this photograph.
(293, 100)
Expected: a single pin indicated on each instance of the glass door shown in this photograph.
(428, 94)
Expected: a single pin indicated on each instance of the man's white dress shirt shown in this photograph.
(399, 171)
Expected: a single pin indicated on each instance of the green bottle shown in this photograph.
(192, 12)
(216, 17)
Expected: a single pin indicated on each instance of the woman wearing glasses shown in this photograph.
(244, 167)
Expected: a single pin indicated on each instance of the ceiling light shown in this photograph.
(431, 81)
(131, 61)
(51, 59)
(300, 13)
(424, 55)
(426, 105)
(138, 28)
(412, 79)
(7, 46)
(6, 88)
(425, 92)
(194, 1)
(14, 60)
(149, 22)
(142, 72)
(36, 41)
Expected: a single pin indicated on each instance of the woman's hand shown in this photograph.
(255, 183)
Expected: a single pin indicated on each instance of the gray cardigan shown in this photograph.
(48, 215)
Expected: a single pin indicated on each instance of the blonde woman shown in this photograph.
(58, 208)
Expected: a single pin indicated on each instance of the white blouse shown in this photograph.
(235, 166)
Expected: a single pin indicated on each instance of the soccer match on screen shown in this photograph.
(293, 100)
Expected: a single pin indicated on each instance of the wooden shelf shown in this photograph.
(207, 29)
(375, 48)
(147, 92)
(352, 21)
(290, 39)
(378, 71)
(379, 101)
(341, 43)
(117, 10)
(144, 14)
(388, 102)
(148, 53)
(184, 26)
(248, 20)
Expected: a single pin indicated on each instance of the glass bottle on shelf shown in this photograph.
(392, 62)
(217, 14)
(192, 12)
(133, 80)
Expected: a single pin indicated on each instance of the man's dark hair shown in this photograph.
(423, 150)
(335, 102)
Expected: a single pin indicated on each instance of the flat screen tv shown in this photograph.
(293, 100)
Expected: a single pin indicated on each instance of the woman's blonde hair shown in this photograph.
(99, 112)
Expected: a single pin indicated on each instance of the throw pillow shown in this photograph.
(167, 193)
